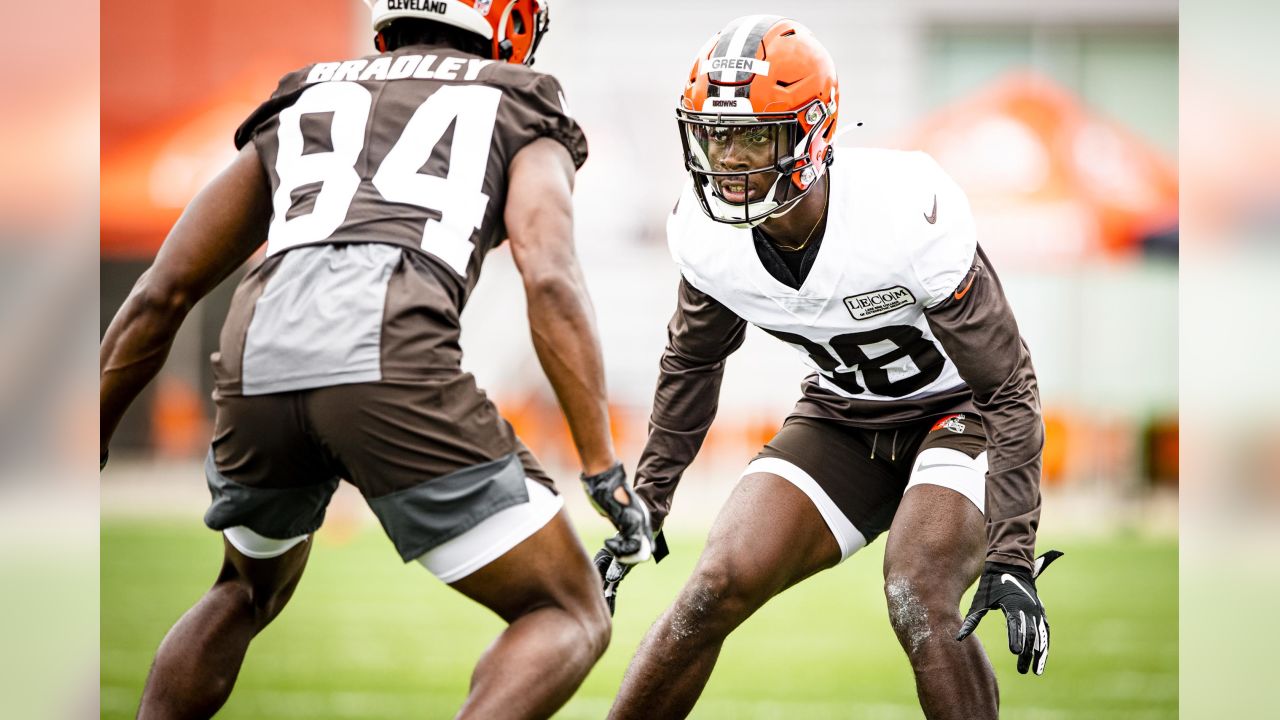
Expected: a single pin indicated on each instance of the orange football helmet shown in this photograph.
(513, 27)
(766, 82)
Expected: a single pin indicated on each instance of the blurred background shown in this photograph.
(1060, 118)
(1230, 517)
(48, 298)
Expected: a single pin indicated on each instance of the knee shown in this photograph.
(581, 611)
(266, 606)
(908, 612)
(596, 626)
(918, 609)
(259, 605)
(930, 578)
(716, 600)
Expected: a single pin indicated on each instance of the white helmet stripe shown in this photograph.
(748, 27)
(726, 36)
(752, 46)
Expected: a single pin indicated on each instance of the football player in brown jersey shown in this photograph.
(922, 413)
(379, 184)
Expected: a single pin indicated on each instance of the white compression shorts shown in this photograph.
(494, 536)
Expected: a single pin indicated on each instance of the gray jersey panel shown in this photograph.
(318, 322)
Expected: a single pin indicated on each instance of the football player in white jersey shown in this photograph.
(922, 416)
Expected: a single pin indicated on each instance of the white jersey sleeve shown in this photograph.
(942, 254)
(684, 223)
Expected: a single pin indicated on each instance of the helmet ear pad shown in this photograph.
(380, 42)
(518, 28)
(817, 154)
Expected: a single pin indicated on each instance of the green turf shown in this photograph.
(367, 637)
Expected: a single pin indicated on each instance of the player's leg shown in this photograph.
(817, 493)
(768, 536)
(199, 659)
(934, 553)
(267, 509)
(456, 490)
(558, 625)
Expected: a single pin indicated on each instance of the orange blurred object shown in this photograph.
(1163, 452)
(178, 425)
(1048, 179)
(148, 181)
(177, 79)
(1057, 444)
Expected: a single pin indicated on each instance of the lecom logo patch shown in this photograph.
(878, 302)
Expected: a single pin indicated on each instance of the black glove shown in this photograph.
(1013, 589)
(611, 574)
(611, 571)
(614, 499)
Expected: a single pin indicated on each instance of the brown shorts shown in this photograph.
(432, 457)
(865, 472)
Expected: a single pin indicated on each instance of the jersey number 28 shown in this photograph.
(848, 349)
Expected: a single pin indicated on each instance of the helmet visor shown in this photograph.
(733, 148)
(738, 160)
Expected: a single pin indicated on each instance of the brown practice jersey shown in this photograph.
(388, 178)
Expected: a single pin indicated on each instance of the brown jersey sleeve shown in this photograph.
(977, 329)
(701, 334)
(534, 109)
(286, 94)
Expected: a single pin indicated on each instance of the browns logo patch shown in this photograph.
(954, 423)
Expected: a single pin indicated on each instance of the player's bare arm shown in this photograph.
(219, 230)
(539, 216)
(977, 328)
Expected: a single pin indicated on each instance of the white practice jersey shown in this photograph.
(899, 238)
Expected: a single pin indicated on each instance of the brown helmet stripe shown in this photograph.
(753, 42)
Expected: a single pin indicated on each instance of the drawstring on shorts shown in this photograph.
(893, 445)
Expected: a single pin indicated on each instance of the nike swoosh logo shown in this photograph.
(932, 217)
(961, 293)
(1007, 578)
(938, 465)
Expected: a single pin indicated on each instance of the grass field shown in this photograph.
(366, 637)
